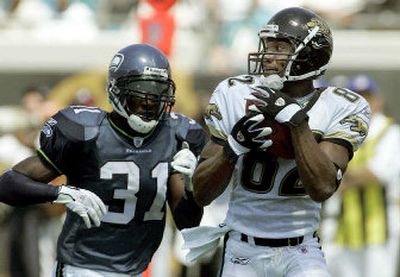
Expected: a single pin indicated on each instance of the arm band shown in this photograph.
(17, 189)
(187, 214)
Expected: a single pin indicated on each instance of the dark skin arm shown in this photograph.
(212, 175)
(176, 190)
(185, 211)
(33, 168)
(315, 162)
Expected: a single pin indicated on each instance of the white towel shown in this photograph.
(202, 240)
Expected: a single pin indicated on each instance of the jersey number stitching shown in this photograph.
(347, 94)
(258, 175)
(129, 195)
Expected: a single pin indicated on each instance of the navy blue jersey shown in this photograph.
(129, 174)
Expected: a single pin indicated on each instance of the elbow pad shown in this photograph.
(17, 189)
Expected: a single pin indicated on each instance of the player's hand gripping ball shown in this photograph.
(281, 139)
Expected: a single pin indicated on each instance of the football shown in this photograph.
(281, 139)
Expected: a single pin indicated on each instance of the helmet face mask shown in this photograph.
(148, 99)
(310, 38)
(273, 56)
(140, 87)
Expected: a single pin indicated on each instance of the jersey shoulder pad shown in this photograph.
(78, 122)
(229, 96)
(228, 104)
(345, 102)
(350, 114)
(234, 83)
(344, 97)
(187, 129)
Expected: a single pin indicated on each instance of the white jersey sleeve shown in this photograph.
(341, 116)
(227, 105)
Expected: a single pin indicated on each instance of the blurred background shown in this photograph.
(54, 53)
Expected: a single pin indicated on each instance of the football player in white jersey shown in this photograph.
(273, 216)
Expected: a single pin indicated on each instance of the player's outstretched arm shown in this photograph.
(26, 184)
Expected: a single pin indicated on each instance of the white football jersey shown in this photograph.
(267, 199)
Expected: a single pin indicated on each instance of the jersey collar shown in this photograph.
(137, 140)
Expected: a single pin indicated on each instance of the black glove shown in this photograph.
(277, 105)
(248, 134)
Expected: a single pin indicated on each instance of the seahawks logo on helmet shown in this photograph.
(116, 62)
(47, 127)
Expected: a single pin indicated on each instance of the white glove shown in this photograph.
(277, 105)
(184, 161)
(82, 202)
(248, 133)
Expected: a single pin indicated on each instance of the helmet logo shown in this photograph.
(323, 27)
(116, 62)
(155, 71)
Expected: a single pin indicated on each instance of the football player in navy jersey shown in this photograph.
(121, 169)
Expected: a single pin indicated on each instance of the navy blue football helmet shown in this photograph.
(140, 87)
(310, 37)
